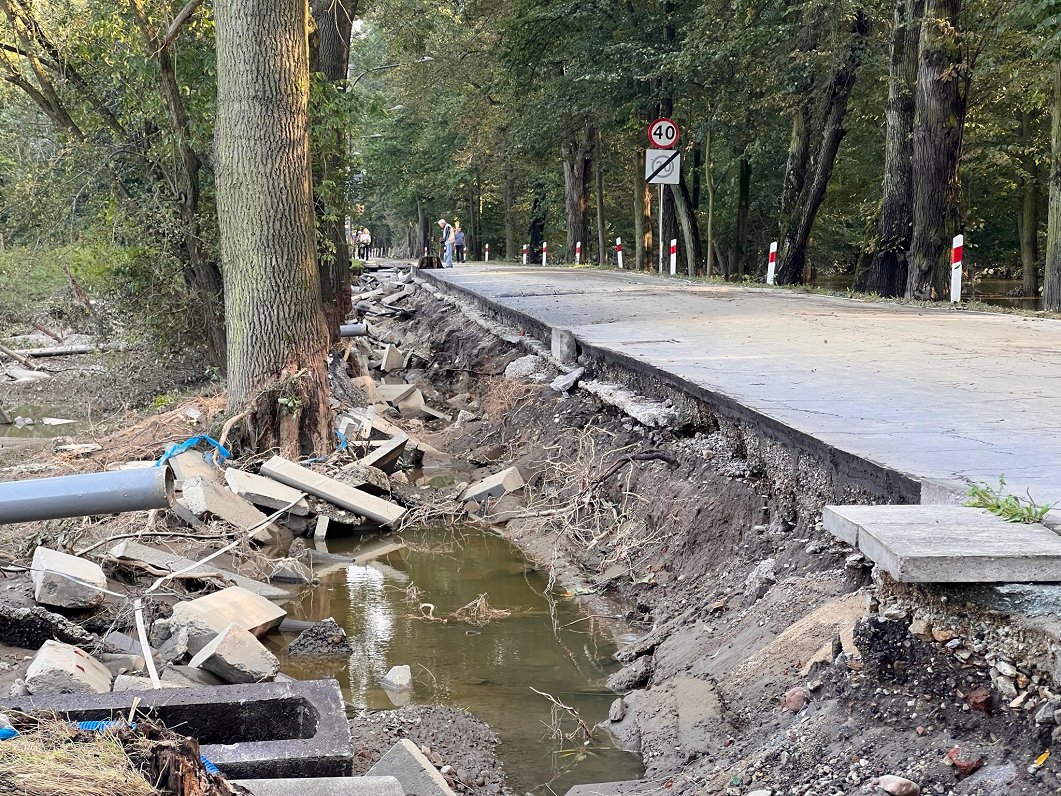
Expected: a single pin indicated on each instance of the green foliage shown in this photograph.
(1009, 507)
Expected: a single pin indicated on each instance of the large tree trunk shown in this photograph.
(744, 187)
(1028, 212)
(578, 160)
(536, 228)
(709, 177)
(886, 271)
(277, 337)
(1052, 275)
(330, 55)
(829, 131)
(938, 117)
(598, 182)
(511, 252)
(691, 244)
(642, 214)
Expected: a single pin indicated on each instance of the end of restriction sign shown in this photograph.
(662, 166)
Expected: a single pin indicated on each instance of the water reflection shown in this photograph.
(488, 669)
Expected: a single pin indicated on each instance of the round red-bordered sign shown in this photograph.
(663, 133)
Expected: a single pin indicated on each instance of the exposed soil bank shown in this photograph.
(762, 662)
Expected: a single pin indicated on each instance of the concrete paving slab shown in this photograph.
(199, 620)
(306, 480)
(236, 656)
(324, 786)
(61, 580)
(496, 485)
(406, 763)
(266, 492)
(386, 456)
(190, 464)
(59, 668)
(949, 544)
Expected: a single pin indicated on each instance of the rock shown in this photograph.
(897, 786)
(325, 639)
(943, 635)
(1006, 669)
(407, 764)
(794, 700)
(236, 656)
(1006, 686)
(18, 688)
(617, 711)
(922, 629)
(759, 581)
(1045, 715)
(636, 675)
(980, 699)
(567, 381)
(529, 367)
(964, 762)
(988, 780)
(399, 678)
(496, 485)
(61, 580)
(64, 669)
(198, 621)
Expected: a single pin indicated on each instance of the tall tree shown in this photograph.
(277, 337)
(578, 171)
(886, 269)
(1028, 208)
(939, 114)
(1052, 276)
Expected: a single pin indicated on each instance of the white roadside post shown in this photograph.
(619, 250)
(524, 253)
(771, 264)
(956, 253)
(578, 252)
(488, 252)
(545, 252)
(674, 257)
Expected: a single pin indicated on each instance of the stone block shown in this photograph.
(392, 359)
(203, 497)
(335, 492)
(408, 765)
(496, 485)
(236, 656)
(191, 464)
(199, 620)
(61, 580)
(566, 382)
(399, 678)
(266, 492)
(386, 456)
(563, 346)
(324, 786)
(59, 668)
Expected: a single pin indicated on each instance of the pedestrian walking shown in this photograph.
(364, 243)
(458, 242)
(447, 242)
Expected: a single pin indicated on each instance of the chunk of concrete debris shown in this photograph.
(203, 497)
(408, 765)
(61, 668)
(412, 405)
(347, 497)
(191, 464)
(386, 456)
(566, 382)
(266, 492)
(496, 485)
(29, 626)
(325, 639)
(320, 528)
(131, 682)
(323, 786)
(236, 656)
(394, 394)
(290, 570)
(61, 580)
(399, 678)
(188, 677)
(392, 359)
(135, 553)
(365, 477)
(195, 623)
(531, 367)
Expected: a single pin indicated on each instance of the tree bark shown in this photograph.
(578, 160)
(329, 55)
(642, 214)
(938, 116)
(829, 131)
(692, 247)
(709, 177)
(277, 337)
(511, 252)
(1028, 212)
(886, 270)
(536, 228)
(598, 181)
(744, 185)
(1052, 276)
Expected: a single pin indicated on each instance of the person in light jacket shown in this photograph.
(447, 242)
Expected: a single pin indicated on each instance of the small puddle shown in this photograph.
(46, 422)
(488, 670)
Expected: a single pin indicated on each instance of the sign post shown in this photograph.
(673, 257)
(956, 254)
(662, 166)
(524, 253)
(488, 252)
(771, 264)
(578, 252)
(545, 253)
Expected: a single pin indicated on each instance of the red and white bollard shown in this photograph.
(771, 264)
(578, 252)
(673, 257)
(488, 252)
(545, 253)
(619, 250)
(525, 246)
(425, 251)
(956, 253)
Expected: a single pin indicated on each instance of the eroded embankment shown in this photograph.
(761, 662)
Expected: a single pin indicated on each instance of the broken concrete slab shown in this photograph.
(412, 405)
(347, 497)
(320, 529)
(324, 786)
(203, 497)
(948, 544)
(386, 456)
(266, 492)
(61, 580)
(266, 730)
(191, 464)
(407, 764)
(392, 359)
(174, 676)
(496, 485)
(31, 626)
(130, 682)
(393, 394)
(59, 668)
(195, 623)
(365, 477)
(131, 551)
(566, 382)
(236, 656)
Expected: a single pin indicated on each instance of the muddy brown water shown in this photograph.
(39, 428)
(488, 670)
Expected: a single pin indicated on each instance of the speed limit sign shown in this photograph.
(663, 133)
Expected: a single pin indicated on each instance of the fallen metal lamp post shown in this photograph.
(353, 330)
(84, 495)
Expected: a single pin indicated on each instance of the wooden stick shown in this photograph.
(18, 358)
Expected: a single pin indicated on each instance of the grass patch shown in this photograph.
(1009, 507)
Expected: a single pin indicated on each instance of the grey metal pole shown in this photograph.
(84, 495)
(353, 330)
